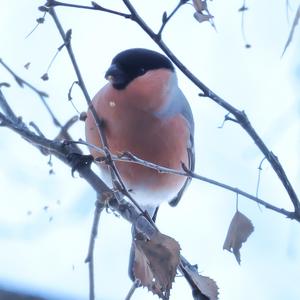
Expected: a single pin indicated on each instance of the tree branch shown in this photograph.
(95, 6)
(130, 158)
(166, 18)
(42, 95)
(99, 206)
(240, 116)
(116, 178)
(63, 150)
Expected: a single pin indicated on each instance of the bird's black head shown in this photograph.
(131, 63)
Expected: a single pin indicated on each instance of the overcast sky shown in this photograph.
(45, 219)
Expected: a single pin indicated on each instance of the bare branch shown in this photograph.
(115, 176)
(6, 108)
(70, 96)
(99, 205)
(21, 82)
(36, 128)
(243, 9)
(63, 150)
(130, 158)
(227, 118)
(239, 115)
(134, 286)
(166, 18)
(39, 22)
(45, 76)
(64, 134)
(67, 42)
(95, 6)
(259, 175)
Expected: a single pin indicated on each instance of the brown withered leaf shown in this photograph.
(199, 5)
(156, 262)
(206, 285)
(202, 13)
(239, 230)
(201, 17)
(295, 23)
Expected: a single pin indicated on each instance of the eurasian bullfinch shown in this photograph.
(145, 113)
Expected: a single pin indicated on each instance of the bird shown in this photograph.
(145, 113)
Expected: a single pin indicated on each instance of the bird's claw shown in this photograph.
(79, 161)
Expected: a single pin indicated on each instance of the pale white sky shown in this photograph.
(45, 250)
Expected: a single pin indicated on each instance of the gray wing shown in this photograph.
(191, 157)
(179, 104)
(187, 113)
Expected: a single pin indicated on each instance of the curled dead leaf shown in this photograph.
(202, 14)
(206, 288)
(239, 230)
(201, 17)
(199, 5)
(156, 262)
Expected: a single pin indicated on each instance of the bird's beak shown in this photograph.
(115, 75)
(112, 73)
(110, 78)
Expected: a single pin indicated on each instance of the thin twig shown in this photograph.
(62, 151)
(70, 96)
(54, 57)
(258, 180)
(166, 18)
(115, 176)
(227, 118)
(99, 206)
(95, 6)
(36, 128)
(243, 9)
(94, 232)
(64, 134)
(21, 82)
(39, 22)
(67, 42)
(130, 158)
(6, 108)
(240, 116)
(134, 286)
(282, 211)
(259, 175)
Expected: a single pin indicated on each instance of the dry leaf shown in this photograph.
(295, 23)
(206, 285)
(201, 18)
(199, 5)
(239, 230)
(202, 14)
(156, 262)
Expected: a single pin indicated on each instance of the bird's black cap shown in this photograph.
(131, 63)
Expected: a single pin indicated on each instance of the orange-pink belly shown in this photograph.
(161, 141)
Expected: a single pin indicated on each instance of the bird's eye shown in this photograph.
(142, 71)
